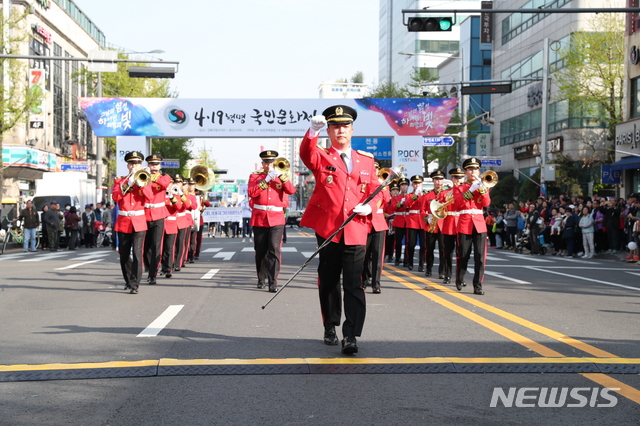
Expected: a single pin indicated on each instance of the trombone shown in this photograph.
(489, 179)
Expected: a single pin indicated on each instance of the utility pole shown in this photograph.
(545, 125)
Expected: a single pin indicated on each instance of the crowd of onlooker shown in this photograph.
(581, 226)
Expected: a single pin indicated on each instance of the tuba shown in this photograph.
(489, 179)
(281, 165)
(203, 176)
(438, 209)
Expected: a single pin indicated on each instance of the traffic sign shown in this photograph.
(437, 141)
(491, 162)
(74, 167)
(170, 163)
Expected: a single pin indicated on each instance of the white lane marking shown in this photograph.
(493, 258)
(288, 249)
(633, 273)
(210, 274)
(161, 322)
(307, 253)
(499, 275)
(225, 255)
(90, 256)
(75, 265)
(529, 258)
(247, 249)
(12, 256)
(212, 250)
(44, 257)
(582, 278)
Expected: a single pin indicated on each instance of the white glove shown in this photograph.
(271, 176)
(131, 181)
(180, 191)
(429, 219)
(318, 122)
(362, 210)
(475, 185)
(402, 202)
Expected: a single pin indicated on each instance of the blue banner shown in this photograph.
(610, 176)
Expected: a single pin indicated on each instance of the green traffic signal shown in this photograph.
(429, 24)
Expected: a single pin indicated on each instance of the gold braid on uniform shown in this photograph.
(414, 197)
(172, 199)
(468, 195)
(155, 177)
(283, 178)
(125, 188)
(483, 190)
(263, 185)
(183, 198)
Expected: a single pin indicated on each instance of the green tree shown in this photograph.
(17, 99)
(358, 77)
(173, 149)
(592, 78)
(505, 192)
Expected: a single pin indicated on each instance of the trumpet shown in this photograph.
(204, 177)
(489, 179)
(281, 165)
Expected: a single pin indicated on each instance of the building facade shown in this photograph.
(52, 137)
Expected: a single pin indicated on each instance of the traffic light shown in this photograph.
(429, 24)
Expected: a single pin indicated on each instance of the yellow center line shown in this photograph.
(602, 379)
(585, 347)
(511, 335)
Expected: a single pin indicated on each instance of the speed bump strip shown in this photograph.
(351, 365)
(97, 370)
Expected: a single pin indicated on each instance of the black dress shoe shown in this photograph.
(441, 276)
(273, 288)
(397, 263)
(427, 274)
(366, 283)
(153, 281)
(330, 337)
(410, 267)
(133, 290)
(196, 258)
(420, 268)
(459, 286)
(168, 274)
(447, 280)
(260, 284)
(478, 290)
(177, 269)
(349, 346)
(376, 290)
(191, 261)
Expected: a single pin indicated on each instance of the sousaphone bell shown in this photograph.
(203, 176)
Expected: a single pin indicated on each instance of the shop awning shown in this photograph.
(626, 163)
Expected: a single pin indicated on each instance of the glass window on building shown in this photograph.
(634, 94)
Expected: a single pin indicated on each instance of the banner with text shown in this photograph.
(222, 214)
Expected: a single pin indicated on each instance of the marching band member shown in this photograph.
(195, 216)
(344, 179)
(470, 198)
(269, 193)
(400, 220)
(389, 215)
(449, 225)
(155, 212)
(191, 203)
(373, 259)
(131, 225)
(173, 202)
(414, 223)
(183, 224)
(432, 225)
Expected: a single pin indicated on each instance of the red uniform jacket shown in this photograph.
(400, 218)
(192, 204)
(470, 213)
(155, 208)
(378, 222)
(448, 225)
(183, 214)
(415, 211)
(276, 195)
(131, 216)
(171, 221)
(426, 205)
(337, 192)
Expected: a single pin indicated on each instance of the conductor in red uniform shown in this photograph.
(449, 225)
(470, 198)
(131, 225)
(155, 213)
(269, 193)
(344, 178)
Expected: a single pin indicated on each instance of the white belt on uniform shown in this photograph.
(131, 213)
(268, 208)
(380, 211)
(181, 214)
(401, 213)
(415, 211)
(453, 213)
(471, 211)
(153, 206)
(171, 218)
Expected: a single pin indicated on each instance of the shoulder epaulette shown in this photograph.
(258, 172)
(368, 154)
(325, 149)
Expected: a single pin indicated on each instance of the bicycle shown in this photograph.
(14, 232)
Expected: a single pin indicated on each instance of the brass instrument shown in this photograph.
(489, 179)
(142, 177)
(438, 209)
(383, 174)
(281, 165)
(203, 176)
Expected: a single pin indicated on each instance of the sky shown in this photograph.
(246, 49)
